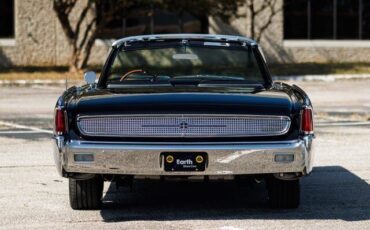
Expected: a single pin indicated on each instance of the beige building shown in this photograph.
(301, 31)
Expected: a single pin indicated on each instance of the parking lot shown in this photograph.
(336, 195)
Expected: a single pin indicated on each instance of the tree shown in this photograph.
(82, 33)
(256, 9)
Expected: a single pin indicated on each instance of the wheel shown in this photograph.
(86, 194)
(283, 194)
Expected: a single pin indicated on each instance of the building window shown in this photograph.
(327, 19)
(141, 21)
(7, 19)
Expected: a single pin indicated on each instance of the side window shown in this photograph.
(7, 19)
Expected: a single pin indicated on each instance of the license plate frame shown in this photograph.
(184, 161)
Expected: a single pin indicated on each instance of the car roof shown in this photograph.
(206, 37)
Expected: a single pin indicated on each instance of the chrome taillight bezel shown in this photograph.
(301, 121)
(60, 130)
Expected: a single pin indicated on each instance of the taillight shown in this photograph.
(60, 126)
(307, 121)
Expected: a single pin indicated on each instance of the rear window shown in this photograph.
(207, 61)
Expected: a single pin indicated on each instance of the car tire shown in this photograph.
(86, 194)
(283, 194)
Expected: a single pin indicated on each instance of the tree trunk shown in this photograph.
(252, 32)
(87, 51)
(73, 65)
(252, 18)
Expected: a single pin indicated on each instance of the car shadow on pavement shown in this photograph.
(330, 192)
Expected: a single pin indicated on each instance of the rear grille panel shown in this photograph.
(183, 125)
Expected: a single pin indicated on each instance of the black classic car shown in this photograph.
(183, 106)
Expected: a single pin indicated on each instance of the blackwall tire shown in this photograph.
(283, 194)
(86, 194)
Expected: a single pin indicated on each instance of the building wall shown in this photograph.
(39, 39)
(295, 51)
(35, 35)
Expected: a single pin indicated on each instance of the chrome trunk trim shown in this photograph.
(183, 125)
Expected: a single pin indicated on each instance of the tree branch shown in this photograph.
(86, 33)
(87, 50)
(82, 17)
(82, 32)
(274, 11)
(265, 5)
(63, 9)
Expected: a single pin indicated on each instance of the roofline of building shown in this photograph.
(207, 37)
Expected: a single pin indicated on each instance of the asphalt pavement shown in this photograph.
(336, 194)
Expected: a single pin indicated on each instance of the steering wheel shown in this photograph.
(131, 72)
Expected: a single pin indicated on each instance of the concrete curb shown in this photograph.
(326, 78)
(37, 82)
(297, 78)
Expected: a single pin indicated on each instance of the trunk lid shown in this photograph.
(105, 101)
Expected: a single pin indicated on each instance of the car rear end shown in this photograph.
(188, 127)
(220, 139)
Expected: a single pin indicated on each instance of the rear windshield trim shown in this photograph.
(174, 43)
(159, 44)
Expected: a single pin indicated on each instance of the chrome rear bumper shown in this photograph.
(227, 158)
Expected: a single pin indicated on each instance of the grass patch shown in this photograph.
(319, 68)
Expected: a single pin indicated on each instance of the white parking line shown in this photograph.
(19, 132)
(354, 123)
(17, 126)
(229, 228)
